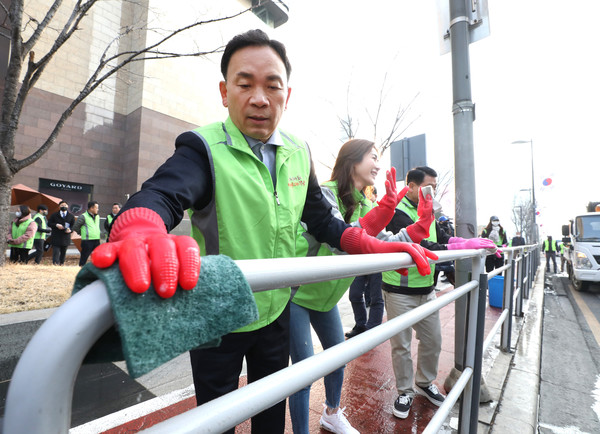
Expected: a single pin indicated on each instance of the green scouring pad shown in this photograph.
(152, 330)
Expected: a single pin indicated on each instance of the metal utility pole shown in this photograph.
(535, 226)
(534, 232)
(463, 111)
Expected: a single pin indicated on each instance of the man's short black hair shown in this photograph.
(117, 203)
(42, 206)
(417, 175)
(92, 203)
(254, 38)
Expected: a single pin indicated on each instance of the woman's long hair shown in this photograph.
(351, 153)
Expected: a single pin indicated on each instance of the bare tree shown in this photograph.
(522, 217)
(444, 183)
(378, 118)
(14, 22)
(348, 123)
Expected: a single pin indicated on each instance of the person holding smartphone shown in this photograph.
(404, 293)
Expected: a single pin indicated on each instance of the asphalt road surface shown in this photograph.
(570, 363)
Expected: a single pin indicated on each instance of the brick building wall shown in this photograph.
(126, 128)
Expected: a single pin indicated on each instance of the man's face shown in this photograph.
(413, 188)
(115, 209)
(64, 206)
(94, 210)
(256, 91)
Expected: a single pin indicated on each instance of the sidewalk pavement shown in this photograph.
(369, 385)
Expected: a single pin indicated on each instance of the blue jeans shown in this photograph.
(371, 284)
(328, 326)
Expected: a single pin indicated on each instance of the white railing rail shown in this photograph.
(40, 395)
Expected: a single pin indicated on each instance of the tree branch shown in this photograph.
(28, 45)
(96, 79)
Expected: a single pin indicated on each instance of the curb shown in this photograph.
(518, 405)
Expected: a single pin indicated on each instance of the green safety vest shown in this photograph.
(18, 231)
(247, 218)
(323, 296)
(91, 229)
(109, 219)
(414, 279)
(553, 247)
(39, 235)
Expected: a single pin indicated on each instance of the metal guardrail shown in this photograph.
(40, 394)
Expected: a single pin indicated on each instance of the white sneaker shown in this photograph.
(337, 422)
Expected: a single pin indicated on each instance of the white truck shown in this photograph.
(581, 238)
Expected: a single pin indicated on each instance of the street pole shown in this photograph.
(534, 232)
(464, 161)
(535, 228)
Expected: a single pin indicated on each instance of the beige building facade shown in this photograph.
(119, 135)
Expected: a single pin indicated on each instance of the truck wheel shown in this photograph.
(578, 284)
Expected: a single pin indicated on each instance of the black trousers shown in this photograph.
(492, 262)
(550, 256)
(216, 371)
(58, 254)
(18, 254)
(87, 246)
(37, 254)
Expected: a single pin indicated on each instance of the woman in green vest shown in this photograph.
(315, 304)
(21, 235)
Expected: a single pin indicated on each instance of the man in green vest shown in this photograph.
(563, 247)
(88, 226)
(116, 207)
(21, 234)
(246, 185)
(550, 249)
(403, 293)
(40, 236)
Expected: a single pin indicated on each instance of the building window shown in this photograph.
(272, 12)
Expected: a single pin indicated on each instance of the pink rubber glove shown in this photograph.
(453, 240)
(377, 219)
(356, 240)
(419, 230)
(147, 253)
(475, 243)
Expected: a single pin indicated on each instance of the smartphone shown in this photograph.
(427, 190)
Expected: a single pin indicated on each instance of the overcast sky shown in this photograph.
(535, 77)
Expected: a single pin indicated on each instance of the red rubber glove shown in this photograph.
(377, 219)
(475, 243)
(140, 241)
(419, 230)
(356, 240)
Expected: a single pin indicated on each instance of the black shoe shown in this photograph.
(431, 393)
(402, 406)
(355, 331)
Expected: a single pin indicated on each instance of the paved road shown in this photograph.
(570, 362)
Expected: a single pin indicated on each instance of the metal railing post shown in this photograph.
(469, 403)
(522, 283)
(509, 283)
(528, 274)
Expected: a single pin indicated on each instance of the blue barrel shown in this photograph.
(496, 291)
